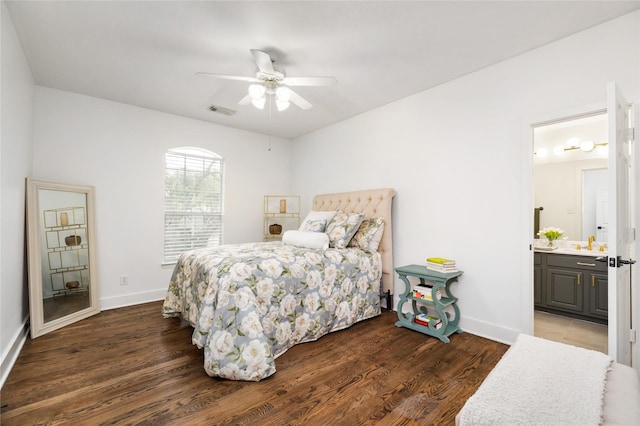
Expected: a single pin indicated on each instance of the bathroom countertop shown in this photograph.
(571, 251)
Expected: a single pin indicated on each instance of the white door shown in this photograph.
(620, 231)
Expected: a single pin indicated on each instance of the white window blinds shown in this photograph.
(193, 203)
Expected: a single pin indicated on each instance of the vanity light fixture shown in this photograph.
(602, 149)
(542, 152)
(587, 146)
(572, 142)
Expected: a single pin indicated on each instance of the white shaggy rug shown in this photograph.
(540, 382)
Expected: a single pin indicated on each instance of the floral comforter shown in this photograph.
(249, 303)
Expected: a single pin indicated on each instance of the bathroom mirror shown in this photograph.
(63, 286)
(570, 175)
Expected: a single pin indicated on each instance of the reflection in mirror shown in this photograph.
(595, 189)
(62, 269)
(570, 163)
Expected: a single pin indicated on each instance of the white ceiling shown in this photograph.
(146, 53)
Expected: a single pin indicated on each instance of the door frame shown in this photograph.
(527, 203)
(528, 191)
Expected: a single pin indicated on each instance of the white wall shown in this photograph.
(15, 165)
(119, 149)
(455, 155)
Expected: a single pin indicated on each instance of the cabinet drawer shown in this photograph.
(576, 262)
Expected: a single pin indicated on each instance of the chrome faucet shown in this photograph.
(591, 240)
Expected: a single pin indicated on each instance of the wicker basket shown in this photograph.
(275, 229)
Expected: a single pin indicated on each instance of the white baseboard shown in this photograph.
(11, 355)
(489, 330)
(483, 329)
(132, 299)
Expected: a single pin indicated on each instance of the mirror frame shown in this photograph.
(34, 257)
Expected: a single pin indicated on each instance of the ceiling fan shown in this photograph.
(269, 81)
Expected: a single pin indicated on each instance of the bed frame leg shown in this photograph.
(388, 296)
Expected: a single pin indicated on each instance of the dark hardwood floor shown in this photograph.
(131, 366)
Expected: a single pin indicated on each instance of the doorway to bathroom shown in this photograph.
(570, 193)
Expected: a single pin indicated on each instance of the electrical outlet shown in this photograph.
(124, 280)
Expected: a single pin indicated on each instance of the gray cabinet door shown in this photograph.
(598, 295)
(564, 290)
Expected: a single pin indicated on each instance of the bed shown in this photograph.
(249, 303)
(540, 382)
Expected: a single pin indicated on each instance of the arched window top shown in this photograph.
(194, 152)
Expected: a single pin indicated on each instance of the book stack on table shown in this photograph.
(424, 292)
(441, 264)
(424, 319)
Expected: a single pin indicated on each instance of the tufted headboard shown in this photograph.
(374, 203)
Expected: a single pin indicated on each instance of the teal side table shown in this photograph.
(437, 281)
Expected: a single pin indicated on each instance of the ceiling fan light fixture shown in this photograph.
(257, 91)
(258, 103)
(283, 94)
(267, 81)
(282, 105)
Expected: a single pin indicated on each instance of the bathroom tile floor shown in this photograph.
(571, 331)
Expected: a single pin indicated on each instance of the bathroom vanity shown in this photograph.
(574, 285)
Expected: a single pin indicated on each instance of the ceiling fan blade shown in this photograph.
(229, 77)
(298, 100)
(245, 101)
(309, 81)
(263, 60)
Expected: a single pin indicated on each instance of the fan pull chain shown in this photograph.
(270, 124)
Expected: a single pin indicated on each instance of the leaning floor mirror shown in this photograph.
(63, 286)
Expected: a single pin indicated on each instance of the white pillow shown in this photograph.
(312, 240)
(316, 215)
(313, 226)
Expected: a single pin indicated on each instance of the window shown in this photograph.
(193, 207)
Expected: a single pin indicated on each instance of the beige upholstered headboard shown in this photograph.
(374, 203)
